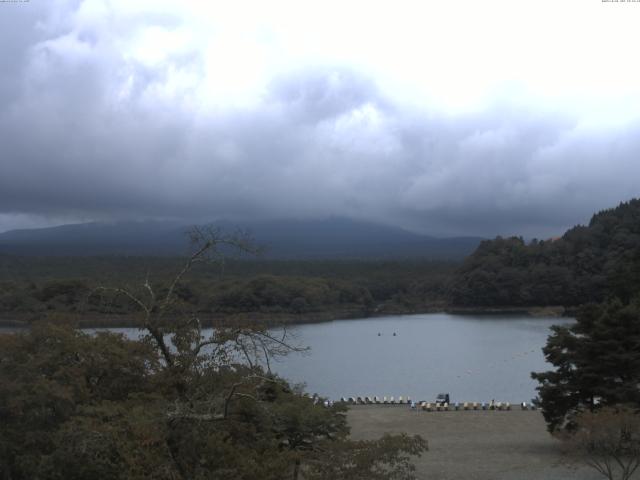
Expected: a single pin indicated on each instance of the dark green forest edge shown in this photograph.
(587, 264)
(275, 291)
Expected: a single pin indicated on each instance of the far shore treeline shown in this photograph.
(270, 290)
(587, 264)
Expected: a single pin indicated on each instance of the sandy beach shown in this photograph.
(474, 445)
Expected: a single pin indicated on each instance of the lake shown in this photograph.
(474, 358)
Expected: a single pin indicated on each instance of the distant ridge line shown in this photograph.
(333, 238)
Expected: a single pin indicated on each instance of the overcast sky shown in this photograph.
(447, 117)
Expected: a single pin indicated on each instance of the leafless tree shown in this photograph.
(178, 335)
(609, 441)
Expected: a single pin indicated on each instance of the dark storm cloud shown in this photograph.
(87, 133)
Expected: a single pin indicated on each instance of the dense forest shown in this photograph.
(587, 264)
(33, 287)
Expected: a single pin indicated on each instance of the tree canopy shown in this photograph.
(180, 403)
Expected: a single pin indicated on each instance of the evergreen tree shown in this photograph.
(597, 362)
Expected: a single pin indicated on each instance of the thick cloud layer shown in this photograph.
(111, 111)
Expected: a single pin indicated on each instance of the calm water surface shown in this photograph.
(474, 358)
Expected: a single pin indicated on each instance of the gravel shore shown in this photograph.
(474, 445)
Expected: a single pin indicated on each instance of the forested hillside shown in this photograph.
(587, 264)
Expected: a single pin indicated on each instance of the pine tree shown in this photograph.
(597, 362)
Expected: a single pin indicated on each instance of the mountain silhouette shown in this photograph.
(281, 239)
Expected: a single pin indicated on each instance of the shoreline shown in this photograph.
(275, 319)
